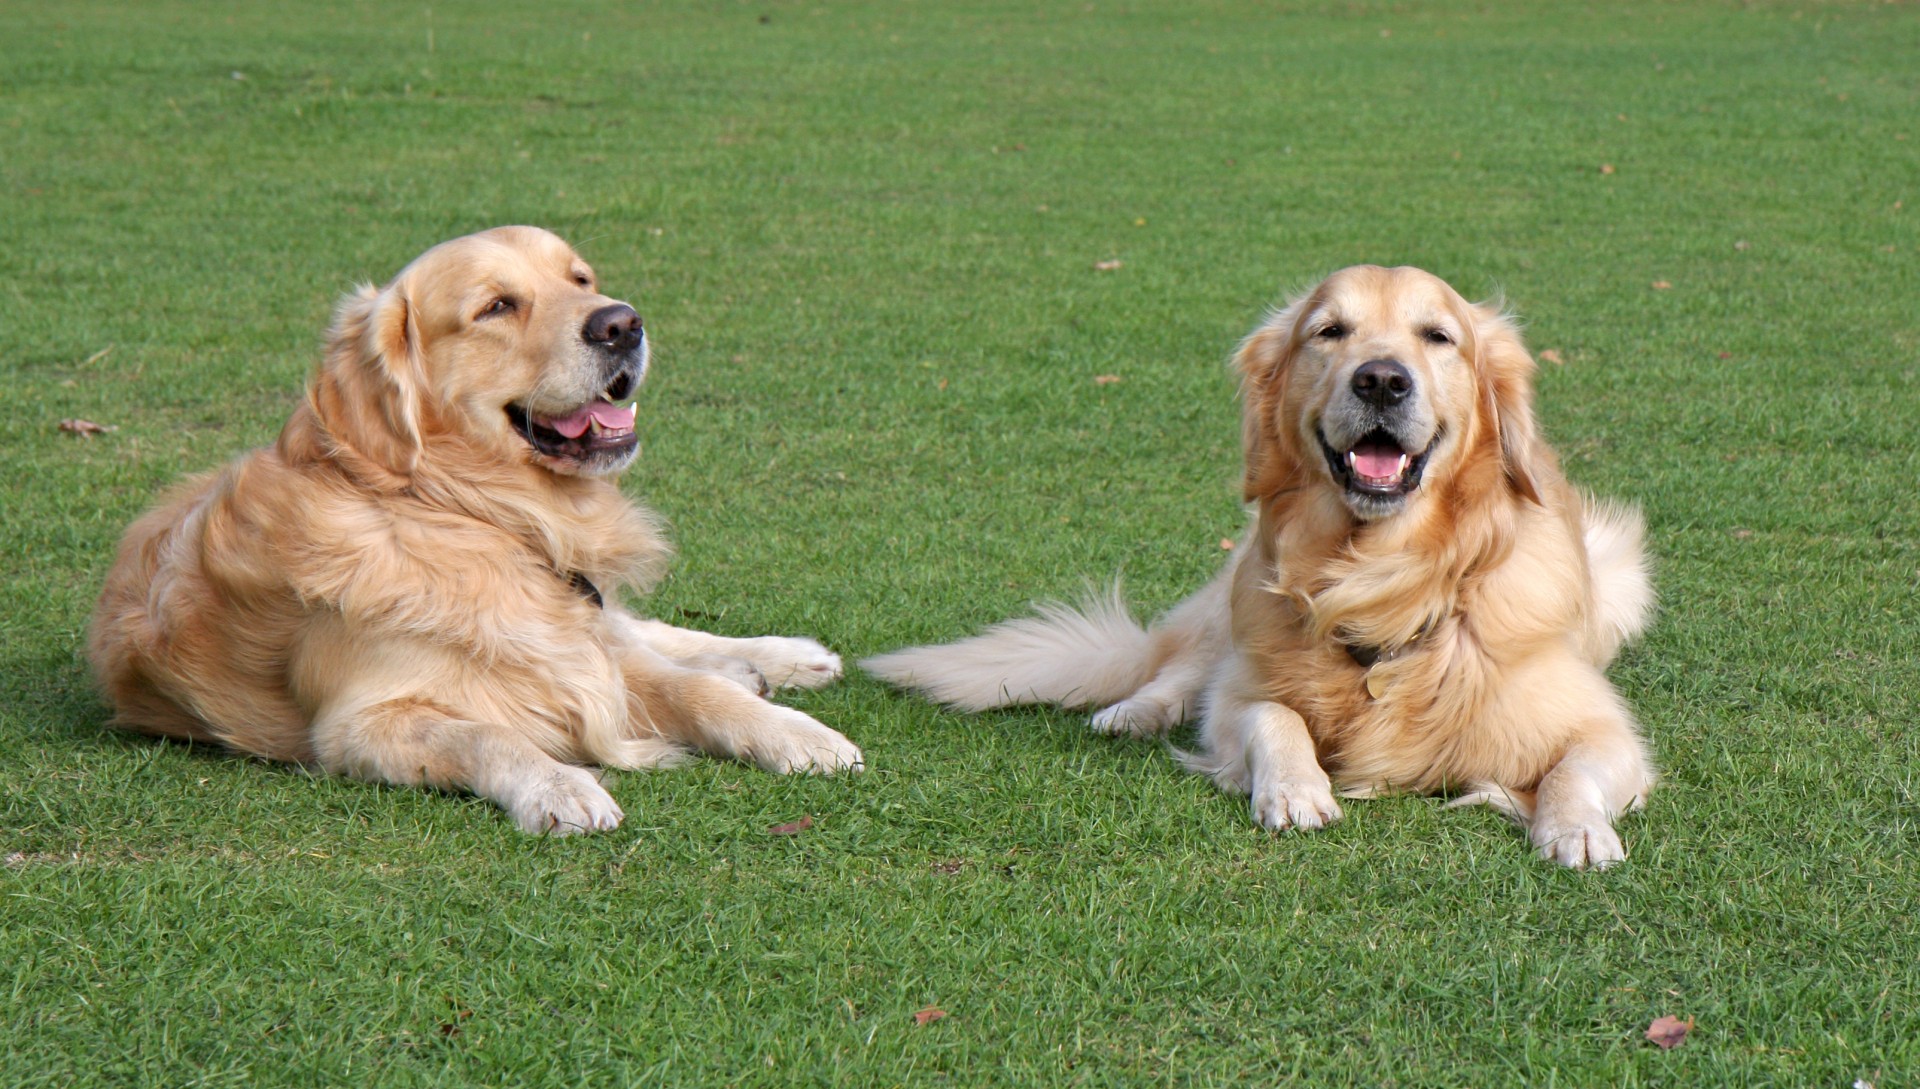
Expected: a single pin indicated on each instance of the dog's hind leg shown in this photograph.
(1170, 697)
(1188, 643)
(414, 742)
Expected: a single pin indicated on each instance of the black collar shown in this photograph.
(1367, 657)
(584, 586)
(1364, 657)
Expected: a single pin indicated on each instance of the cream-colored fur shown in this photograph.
(389, 591)
(1493, 593)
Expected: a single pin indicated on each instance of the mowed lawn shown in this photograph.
(896, 398)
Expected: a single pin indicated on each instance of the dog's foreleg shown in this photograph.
(1605, 774)
(1289, 789)
(785, 662)
(1255, 746)
(413, 742)
(716, 715)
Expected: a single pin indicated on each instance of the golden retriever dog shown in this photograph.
(1422, 603)
(416, 583)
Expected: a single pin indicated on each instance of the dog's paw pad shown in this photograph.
(1132, 718)
(1580, 846)
(804, 745)
(1305, 806)
(567, 801)
(798, 663)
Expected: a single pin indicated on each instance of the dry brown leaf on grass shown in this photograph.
(86, 429)
(1107, 266)
(1668, 1032)
(1226, 544)
(791, 827)
(1606, 168)
(1105, 379)
(1661, 285)
(928, 1016)
(1551, 356)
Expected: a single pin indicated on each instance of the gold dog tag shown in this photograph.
(1376, 684)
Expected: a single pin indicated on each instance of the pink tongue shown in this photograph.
(574, 424)
(1377, 462)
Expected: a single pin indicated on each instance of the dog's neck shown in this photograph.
(583, 526)
(576, 525)
(1377, 587)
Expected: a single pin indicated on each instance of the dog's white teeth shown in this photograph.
(1401, 471)
(1351, 459)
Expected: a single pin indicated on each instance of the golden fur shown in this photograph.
(1487, 594)
(390, 591)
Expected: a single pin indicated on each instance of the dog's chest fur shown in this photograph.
(1420, 717)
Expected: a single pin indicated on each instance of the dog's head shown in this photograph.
(501, 340)
(1379, 381)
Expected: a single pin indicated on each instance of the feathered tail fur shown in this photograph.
(1623, 598)
(1088, 656)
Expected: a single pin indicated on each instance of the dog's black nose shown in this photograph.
(616, 327)
(1383, 382)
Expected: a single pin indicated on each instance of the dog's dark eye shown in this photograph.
(497, 307)
(1438, 336)
(583, 279)
(1335, 331)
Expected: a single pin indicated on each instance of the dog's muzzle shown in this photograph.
(1382, 462)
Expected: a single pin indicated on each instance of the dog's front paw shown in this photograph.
(1133, 718)
(1578, 844)
(796, 663)
(1283, 804)
(798, 743)
(562, 800)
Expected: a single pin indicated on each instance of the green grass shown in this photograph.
(863, 236)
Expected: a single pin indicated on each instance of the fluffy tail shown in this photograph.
(1623, 597)
(1086, 657)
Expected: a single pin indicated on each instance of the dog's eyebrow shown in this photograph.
(1320, 315)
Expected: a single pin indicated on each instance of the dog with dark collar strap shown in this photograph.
(1396, 475)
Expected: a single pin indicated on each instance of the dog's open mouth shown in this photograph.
(598, 430)
(1376, 465)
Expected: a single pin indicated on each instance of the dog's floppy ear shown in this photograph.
(1263, 360)
(367, 394)
(1505, 370)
